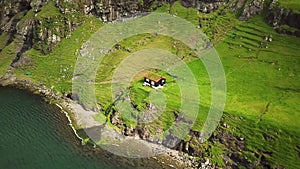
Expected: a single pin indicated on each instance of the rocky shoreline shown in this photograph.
(170, 158)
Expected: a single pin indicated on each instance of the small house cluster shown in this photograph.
(156, 84)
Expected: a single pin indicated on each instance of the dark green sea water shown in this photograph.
(34, 134)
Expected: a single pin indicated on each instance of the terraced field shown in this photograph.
(263, 87)
(270, 64)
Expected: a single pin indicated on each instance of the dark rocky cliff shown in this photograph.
(283, 20)
(205, 6)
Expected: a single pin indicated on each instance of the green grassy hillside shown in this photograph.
(290, 4)
(268, 69)
(262, 71)
(263, 87)
(55, 70)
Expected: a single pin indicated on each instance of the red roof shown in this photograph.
(161, 78)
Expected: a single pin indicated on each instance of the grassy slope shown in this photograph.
(265, 141)
(56, 69)
(7, 55)
(215, 25)
(263, 87)
(136, 43)
(290, 4)
(262, 76)
(257, 76)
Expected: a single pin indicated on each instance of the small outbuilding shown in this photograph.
(118, 46)
(156, 84)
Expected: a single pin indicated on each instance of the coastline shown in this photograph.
(171, 158)
(70, 122)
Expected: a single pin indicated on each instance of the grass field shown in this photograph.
(268, 69)
(138, 92)
(290, 4)
(7, 55)
(263, 88)
(215, 25)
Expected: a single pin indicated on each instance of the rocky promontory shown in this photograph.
(283, 20)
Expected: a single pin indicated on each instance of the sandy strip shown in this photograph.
(83, 117)
(133, 147)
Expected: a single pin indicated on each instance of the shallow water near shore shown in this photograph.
(34, 134)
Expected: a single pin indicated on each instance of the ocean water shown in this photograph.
(34, 134)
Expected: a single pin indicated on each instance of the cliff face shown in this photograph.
(10, 9)
(108, 10)
(283, 20)
(17, 29)
(251, 8)
(205, 6)
(246, 8)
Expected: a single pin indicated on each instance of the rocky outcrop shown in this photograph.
(283, 20)
(205, 6)
(11, 16)
(111, 10)
(248, 8)
(11, 12)
(251, 8)
(21, 21)
(108, 10)
(49, 31)
(9, 79)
